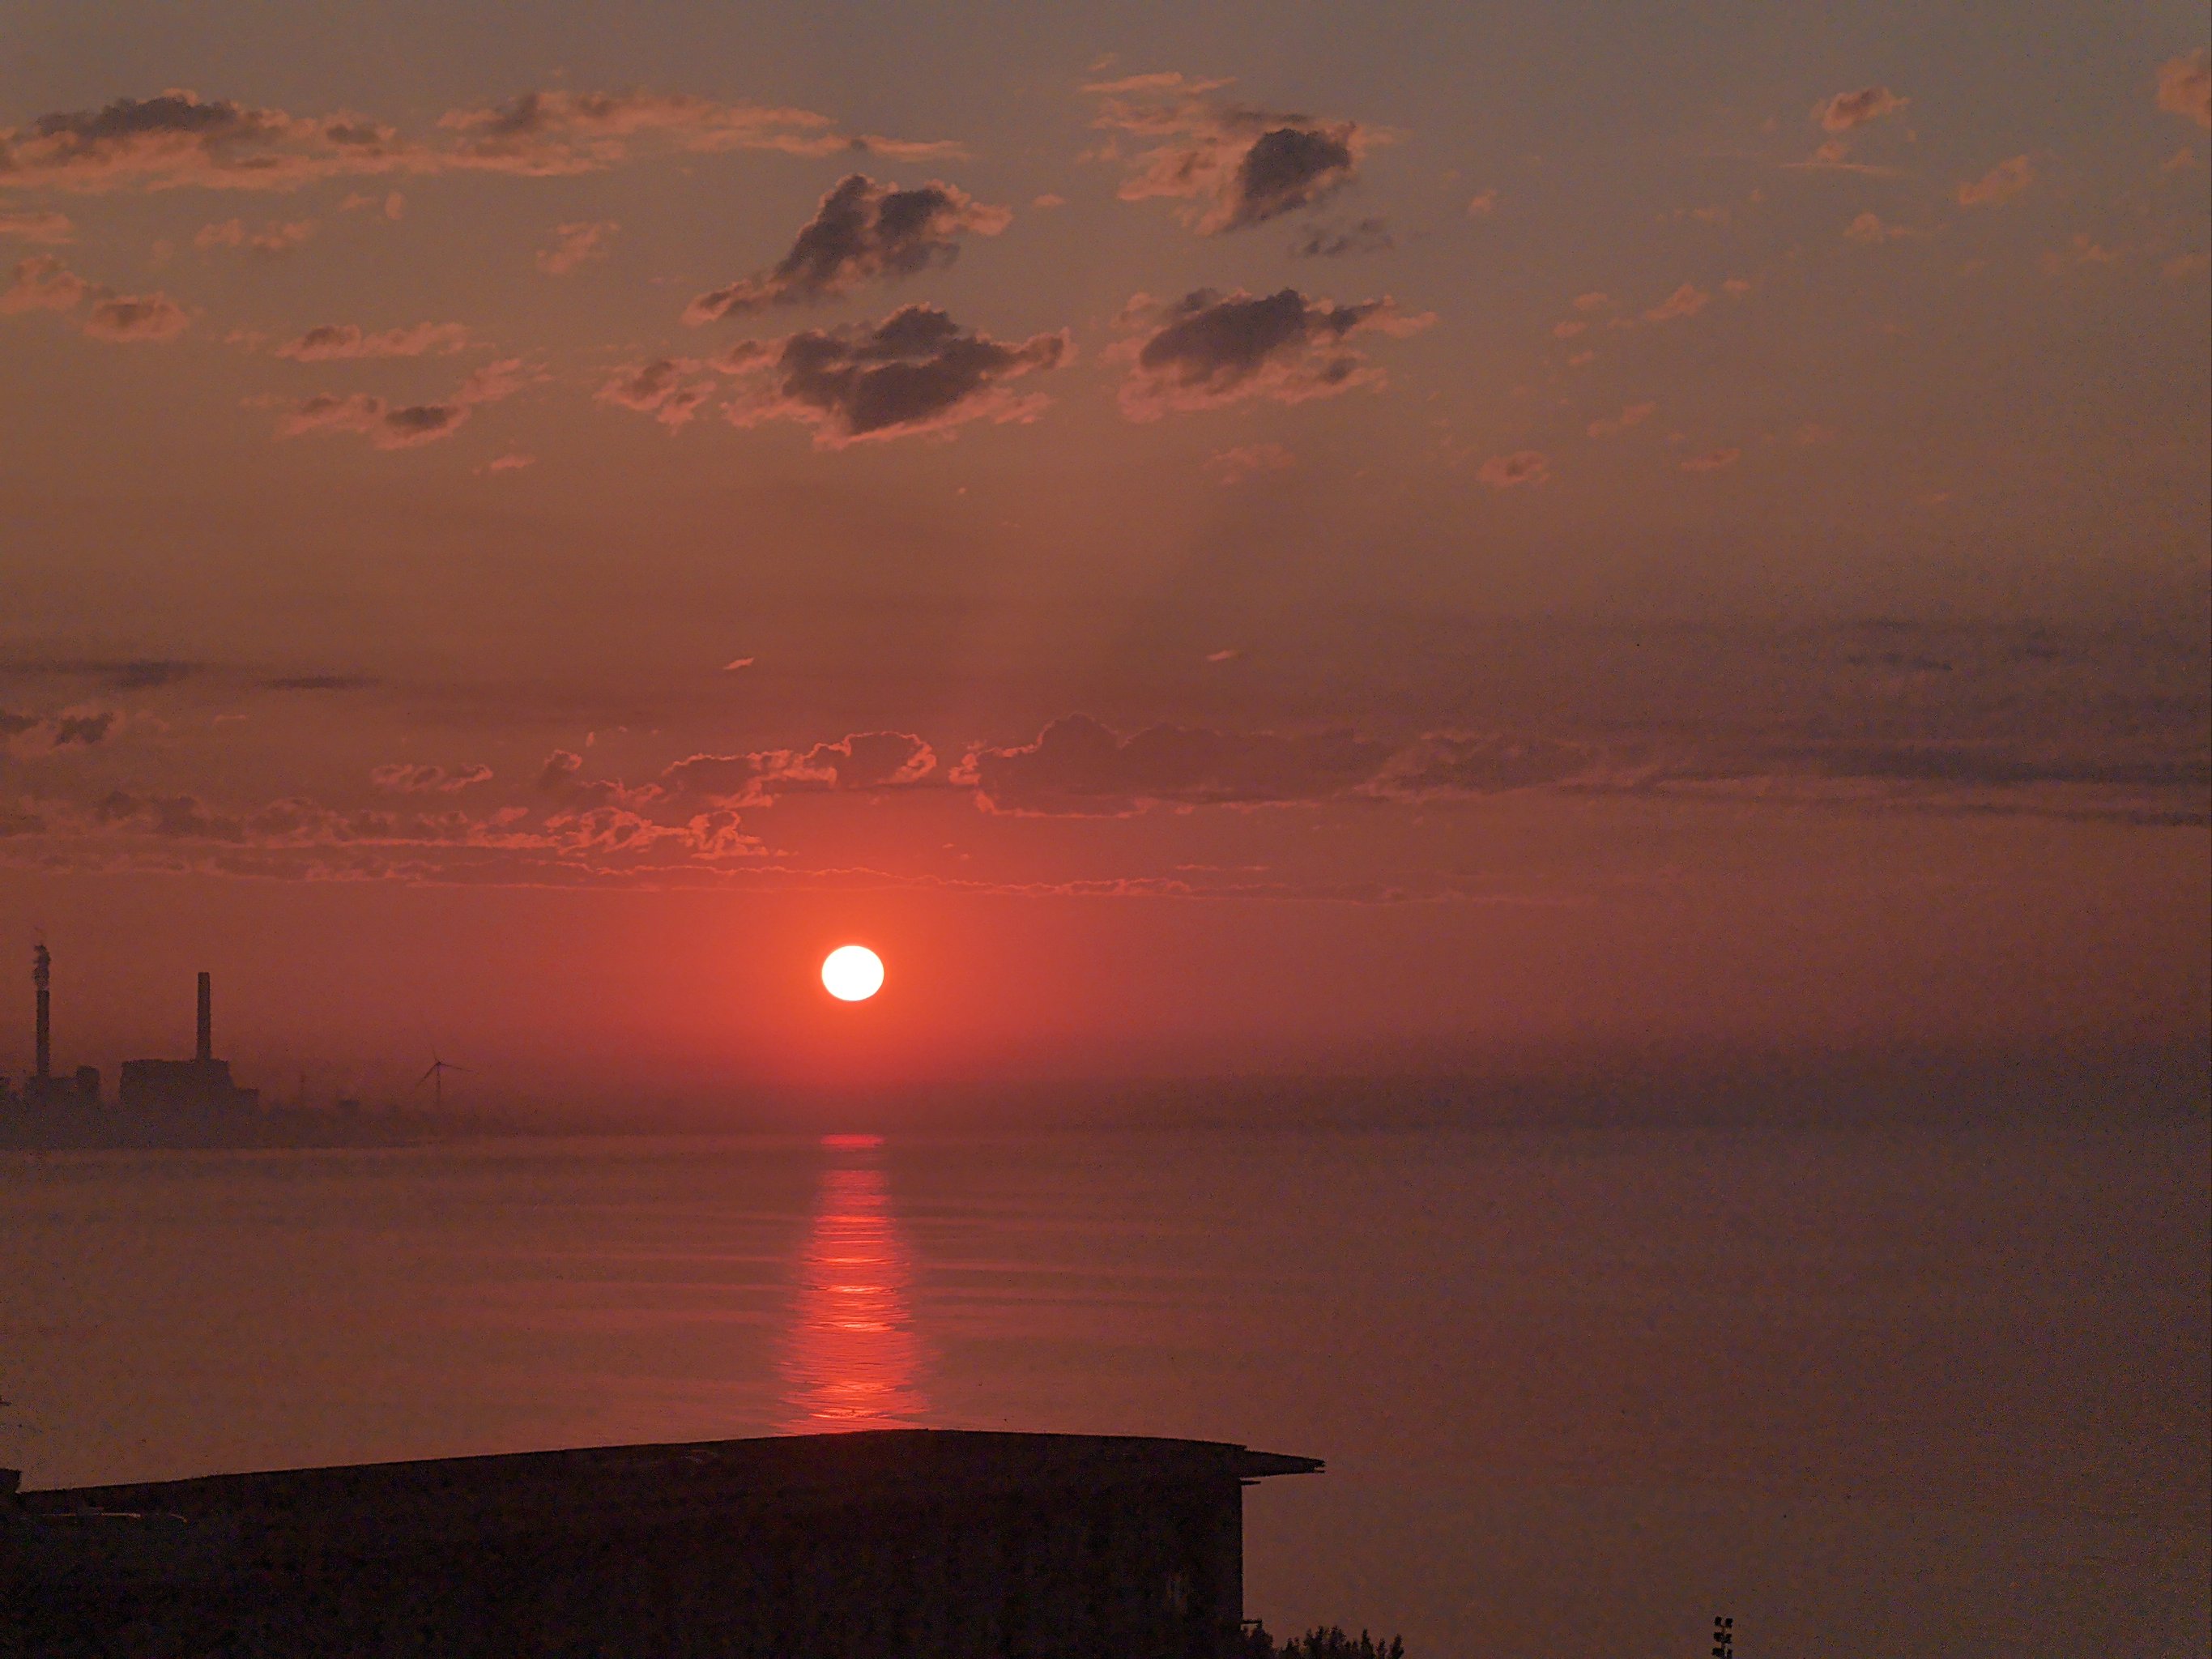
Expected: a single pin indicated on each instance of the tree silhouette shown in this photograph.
(1319, 1644)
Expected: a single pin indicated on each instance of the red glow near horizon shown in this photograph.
(853, 1360)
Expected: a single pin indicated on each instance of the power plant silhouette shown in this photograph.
(202, 1081)
(192, 1102)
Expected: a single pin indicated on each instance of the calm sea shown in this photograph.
(1867, 1392)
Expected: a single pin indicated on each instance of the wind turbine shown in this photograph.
(435, 1077)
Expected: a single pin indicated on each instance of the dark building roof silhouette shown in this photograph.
(923, 1542)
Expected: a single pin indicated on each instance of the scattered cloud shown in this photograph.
(2183, 265)
(1442, 765)
(31, 734)
(132, 318)
(1686, 300)
(1234, 466)
(1848, 111)
(181, 139)
(338, 342)
(560, 771)
(1713, 460)
(1209, 350)
(495, 382)
(862, 760)
(2000, 183)
(1592, 302)
(407, 426)
(513, 461)
(388, 426)
(406, 778)
(38, 225)
(1483, 204)
(2082, 250)
(1869, 227)
(1333, 241)
(2184, 87)
(42, 283)
(1236, 165)
(1077, 767)
(273, 240)
(1632, 415)
(670, 389)
(574, 243)
(557, 131)
(1522, 466)
(864, 231)
(917, 371)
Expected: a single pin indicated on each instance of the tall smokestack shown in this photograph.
(42, 973)
(206, 1018)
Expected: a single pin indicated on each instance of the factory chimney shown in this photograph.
(207, 1018)
(42, 972)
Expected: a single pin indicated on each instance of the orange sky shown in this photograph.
(1271, 539)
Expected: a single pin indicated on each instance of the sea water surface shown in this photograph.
(1866, 1391)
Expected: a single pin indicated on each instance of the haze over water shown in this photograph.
(1869, 1391)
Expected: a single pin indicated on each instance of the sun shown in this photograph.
(852, 972)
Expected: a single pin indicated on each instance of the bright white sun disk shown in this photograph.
(852, 972)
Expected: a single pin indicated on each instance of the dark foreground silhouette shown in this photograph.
(923, 1543)
(1319, 1644)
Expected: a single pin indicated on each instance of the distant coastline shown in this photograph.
(91, 1127)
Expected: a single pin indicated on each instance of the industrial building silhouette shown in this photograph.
(202, 1082)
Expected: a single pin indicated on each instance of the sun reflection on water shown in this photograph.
(853, 1360)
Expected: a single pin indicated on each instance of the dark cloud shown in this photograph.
(864, 231)
(1287, 168)
(128, 319)
(85, 729)
(387, 425)
(916, 371)
(180, 138)
(58, 731)
(670, 389)
(1333, 241)
(336, 341)
(1237, 166)
(403, 425)
(177, 818)
(145, 673)
(1079, 767)
(1849, 110)
(1522, 466)
(319, 682)
(1210, 349)
(560, 769)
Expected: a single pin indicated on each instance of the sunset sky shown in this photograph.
(1299, 536)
